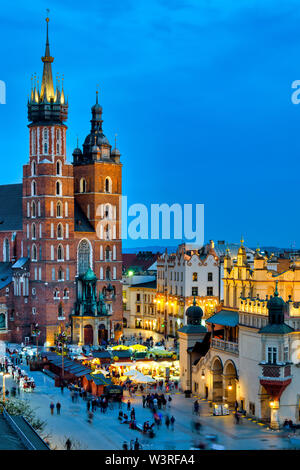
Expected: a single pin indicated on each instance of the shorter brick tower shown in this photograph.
(97, 191)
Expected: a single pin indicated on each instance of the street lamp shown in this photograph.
(36, 332)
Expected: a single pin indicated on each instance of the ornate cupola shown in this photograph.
(277, 308)
(96, 147)
(46, 106)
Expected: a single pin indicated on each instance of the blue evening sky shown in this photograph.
(198, 91)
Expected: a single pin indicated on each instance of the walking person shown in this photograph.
(52, 407)
(172, 421)
(167, 421)
(128, 405)
(68, 444)
(136, 444)
(169, 401)
(58, 407)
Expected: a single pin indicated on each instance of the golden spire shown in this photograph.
(242, 240)
(47, 89)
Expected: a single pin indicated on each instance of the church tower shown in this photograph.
(48, 205)
(98, 191)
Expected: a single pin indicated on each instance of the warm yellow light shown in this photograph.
(229, 387)
(272, 404)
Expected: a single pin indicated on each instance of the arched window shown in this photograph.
(33, 231)
(6, 250)
(59, 209)
(33, 168)
(59, 231)
(60, 253)
(107, 274)
(108, 185)
(33, 188)
(34, 253)
(33, 209)
(58, 167)
(60, 274)
(58, 188)
(45, 138)
(58, 142)
(82, 185)
(107, 232)
(107, 254)
(84, 257)
(107, 211)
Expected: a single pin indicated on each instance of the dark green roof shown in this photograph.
(193, 329)
(89, 275)
(276, 329)
(225, 318)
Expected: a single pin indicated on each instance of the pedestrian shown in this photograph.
(58, 407)
(51, 407)
(236, 405)
(136, 444)
(68, 444)
(172, 421)
(167, 421)
(125, 445)
(169, 401)
(128, 405)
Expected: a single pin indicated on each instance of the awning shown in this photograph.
(225, 318)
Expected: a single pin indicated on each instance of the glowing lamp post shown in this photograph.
(36, 333)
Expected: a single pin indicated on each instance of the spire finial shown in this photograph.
(97, 92)
(242, 240)
(116, 141)
(77, 141)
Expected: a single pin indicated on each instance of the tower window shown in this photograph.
(84, 257)
(6, 250)
(58, 188)
(209, 277)
(272, 355)
(82, 185)
(58, 167)
(33, 188)
(60, 275)
(195, 277)
(33, 168)
(59, 231)
(33, 209)
(58, 210)
(33, 231)
(34, 253)
(107, 274)
(108, 185)
(60, 253)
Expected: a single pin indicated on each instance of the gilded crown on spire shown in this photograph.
(39, 98)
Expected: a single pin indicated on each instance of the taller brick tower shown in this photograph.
(48, 206)
(98, 190)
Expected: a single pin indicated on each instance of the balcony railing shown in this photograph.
(276, 371)
(225, 345)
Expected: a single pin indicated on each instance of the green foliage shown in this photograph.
(20, 407)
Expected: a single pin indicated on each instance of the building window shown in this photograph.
(209, 277)
(33, 232)
(33, 168)
(60, 231)
(107, 254)
(195, 277)
(53, 274)
(58, 167)
(58, 209)
(6, 256)
(58, 188)
(67, 274)
(210, 291)
(107, 232)
(34, 253)
(84, 257)
(194, 291)
(60, 253)
(272, 355)
(33, 188)
(60, 274)
(82, 185)
(138, 309)
(108, 185)
(107, 274)
(286, 354)
(138, 297)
